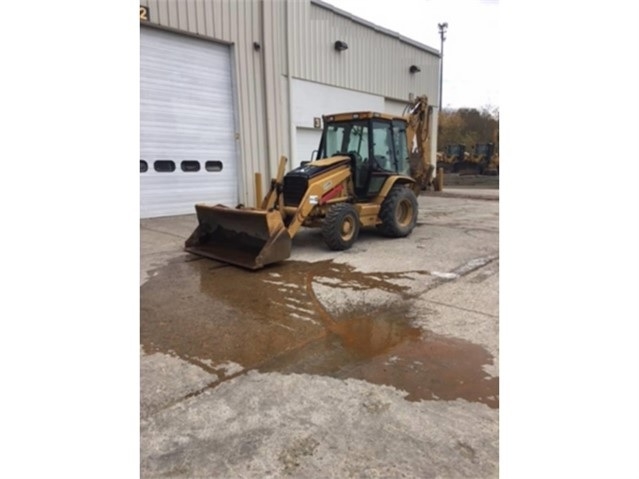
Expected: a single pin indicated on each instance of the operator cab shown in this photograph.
(456, 151)
(376, 144)
(485, 150)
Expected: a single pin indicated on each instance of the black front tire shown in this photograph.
(398, 212)
(340, 228)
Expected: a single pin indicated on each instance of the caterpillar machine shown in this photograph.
(364, 175)
(452, 157)
(479, 160)
(493, 162)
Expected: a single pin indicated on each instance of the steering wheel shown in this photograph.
(356, 156)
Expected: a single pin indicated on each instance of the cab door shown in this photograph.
(383, 160)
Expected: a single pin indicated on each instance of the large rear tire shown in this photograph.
(340, 228)
(398, 212)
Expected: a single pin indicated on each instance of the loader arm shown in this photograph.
(273, 197)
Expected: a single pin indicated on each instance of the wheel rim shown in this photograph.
(404, 213)
(348, 229)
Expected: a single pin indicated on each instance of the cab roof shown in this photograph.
(361, 115)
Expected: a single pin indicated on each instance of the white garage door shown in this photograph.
(187, 134)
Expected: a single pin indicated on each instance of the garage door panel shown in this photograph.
(183, 192)
(186, 114)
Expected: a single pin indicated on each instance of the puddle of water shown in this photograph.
(433, 367)
(272, 320)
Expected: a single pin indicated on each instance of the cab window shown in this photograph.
(383, 149)
(401, 148)
(344, 138)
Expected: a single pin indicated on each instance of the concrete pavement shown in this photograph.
(379, 361)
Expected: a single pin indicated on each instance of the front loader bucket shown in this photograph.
(244, 237)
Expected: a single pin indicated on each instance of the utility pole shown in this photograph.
(442, 36)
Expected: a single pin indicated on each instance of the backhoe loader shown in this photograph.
(479, 160)
(493, 162)
(368, 172)
(452, 157)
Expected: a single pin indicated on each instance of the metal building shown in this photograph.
(228, 86)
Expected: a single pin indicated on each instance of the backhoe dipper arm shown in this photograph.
(419, 141)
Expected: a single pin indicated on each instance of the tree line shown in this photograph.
(468, 126)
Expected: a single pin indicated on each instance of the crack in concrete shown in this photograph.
(183, 238)
(223, 378)
(459, 272)
(464, 196)
(462, 227)
(460, 308)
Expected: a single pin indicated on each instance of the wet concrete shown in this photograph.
(228, 321)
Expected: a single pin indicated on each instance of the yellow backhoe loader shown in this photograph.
(452, 157)
(368, 171)
(477, 163)
(493, 163)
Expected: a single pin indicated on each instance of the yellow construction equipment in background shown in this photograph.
(369, 170)
(477, 163)
(451, 157)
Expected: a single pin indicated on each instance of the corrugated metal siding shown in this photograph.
(274, 85)
(375, 63)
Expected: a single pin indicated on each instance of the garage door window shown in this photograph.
(213, 166)
(164, 166)
(144, 166)
(190, 166)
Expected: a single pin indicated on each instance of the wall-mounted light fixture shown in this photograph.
(414, 69)
(340, 46)
(256, 46)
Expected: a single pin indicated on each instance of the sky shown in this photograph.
(471, 48)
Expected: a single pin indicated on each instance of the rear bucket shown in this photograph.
(243, 237)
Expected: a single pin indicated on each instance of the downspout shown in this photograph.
(291, 125)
